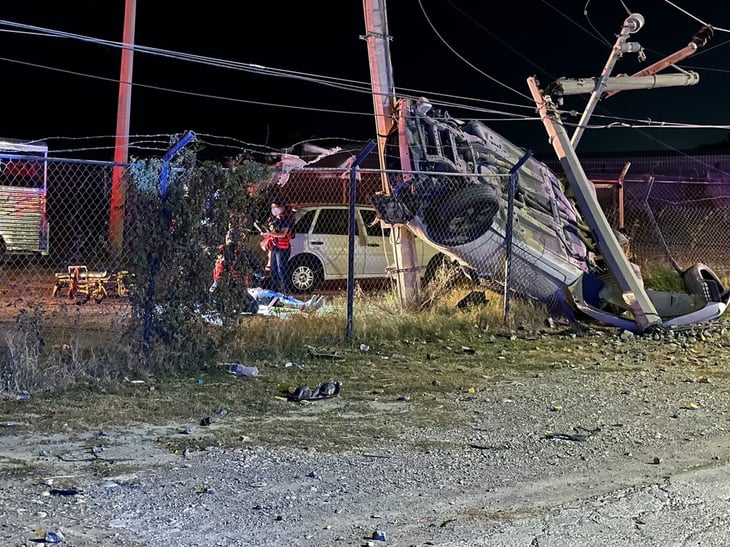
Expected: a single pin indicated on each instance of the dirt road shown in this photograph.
(632, 448)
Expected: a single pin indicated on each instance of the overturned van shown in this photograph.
(460, 196)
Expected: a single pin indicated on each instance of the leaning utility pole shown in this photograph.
(632, 288)
(384, 103)
(118, 196)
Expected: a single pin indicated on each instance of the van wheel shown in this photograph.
(462, 216)
(305, 273)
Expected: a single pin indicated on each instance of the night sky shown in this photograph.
(71, 93)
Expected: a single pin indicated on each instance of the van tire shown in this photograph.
(462, 216)
(305, 273)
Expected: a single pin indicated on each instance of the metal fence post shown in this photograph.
(164, 225)
(511, 190)
(351, 236)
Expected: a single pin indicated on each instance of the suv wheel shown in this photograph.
(462, 216)
(305, 273)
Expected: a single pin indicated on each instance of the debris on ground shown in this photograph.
(325, 390)
(319, 355)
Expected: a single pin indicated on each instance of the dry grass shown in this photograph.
(416, 366)
(87, 379)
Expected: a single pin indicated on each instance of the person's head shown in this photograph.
(278, 208)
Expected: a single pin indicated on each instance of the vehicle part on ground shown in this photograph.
(442, 269)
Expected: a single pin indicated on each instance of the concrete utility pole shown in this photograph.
(632, 24)
(118, 196)
(633, 292)
(384, 103)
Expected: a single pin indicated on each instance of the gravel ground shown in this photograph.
(625, 451)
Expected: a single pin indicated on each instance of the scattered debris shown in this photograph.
(48, 537)
(63, 491)
(577, 437)
(473, 299)
(334, 356)
(242, 370)
(325, 390)
(567, 437)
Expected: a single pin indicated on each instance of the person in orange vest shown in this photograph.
(219, 268)
(280, 235)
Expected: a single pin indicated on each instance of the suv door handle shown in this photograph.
(373, 244)
(316, 242)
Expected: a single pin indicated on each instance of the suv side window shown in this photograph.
(332, 221)
(373, 228)
(305, 223)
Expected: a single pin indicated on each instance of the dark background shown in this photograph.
(70, 97)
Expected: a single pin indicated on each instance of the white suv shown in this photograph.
(319, 250)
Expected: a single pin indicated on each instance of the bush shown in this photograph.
(173, 243)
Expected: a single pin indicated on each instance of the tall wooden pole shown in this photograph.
(384, 101)
(118, 196)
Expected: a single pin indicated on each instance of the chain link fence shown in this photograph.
(665, 217)
(674, 210)
(55, 224)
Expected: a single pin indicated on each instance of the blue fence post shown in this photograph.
(164, 225)
(351, 236)
(508, 232)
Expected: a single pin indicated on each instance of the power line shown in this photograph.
(468, 63)
(339, 83)
(438, 99)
